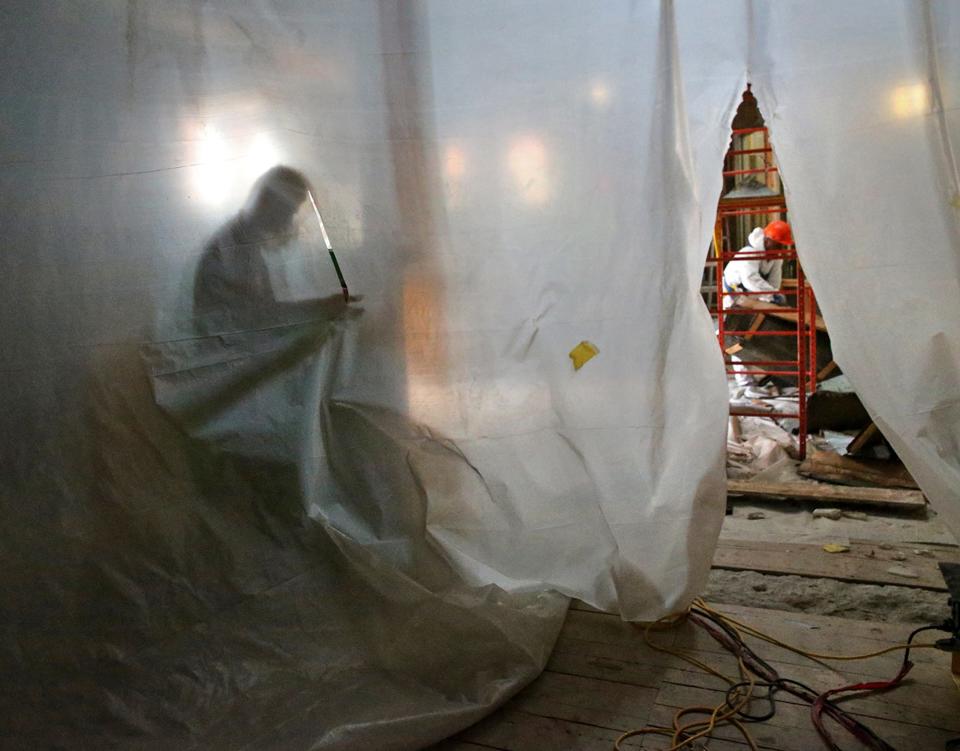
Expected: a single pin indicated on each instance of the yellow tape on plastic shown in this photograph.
(583, 353)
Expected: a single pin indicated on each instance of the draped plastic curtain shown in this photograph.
(863, 112)
(241, 512)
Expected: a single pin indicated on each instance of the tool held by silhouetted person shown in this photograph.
(326, 241)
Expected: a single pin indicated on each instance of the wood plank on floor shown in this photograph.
(922, 702)
(864, 563)
(931, 699)
(790, 729)
(892, 498)
(829, 466)
(765, 737)
(817, 633)
(581, 699)
(663, 716)
(605, 635)
(938, 713)
(828, 630)
(513, 730)
(928, 713)
(603, 679)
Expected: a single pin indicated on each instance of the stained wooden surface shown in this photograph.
(863, 563)
(829, 495)
(603, 679)
(828, 466)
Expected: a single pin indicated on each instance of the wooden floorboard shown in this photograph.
(606, 636)
(790, 728)
(582, 699)
(863, 563)
(514, 730)
(603, 679)
(920, 702)
(829, 495)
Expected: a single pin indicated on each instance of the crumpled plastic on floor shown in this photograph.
(763, 445)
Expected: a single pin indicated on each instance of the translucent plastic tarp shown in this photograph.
(240, 512)
(865, 119)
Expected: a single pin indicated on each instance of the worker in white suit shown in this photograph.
(752, 274)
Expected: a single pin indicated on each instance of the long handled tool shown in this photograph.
(326, 241)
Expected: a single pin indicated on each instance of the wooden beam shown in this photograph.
(864, 563)
(770, 310)
(758, 320)
(792, 318)
(904, 500)
(735, 428)
(863, 438)
(826, 370)
(828, 466)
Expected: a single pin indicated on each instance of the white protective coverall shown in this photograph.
(752, 275)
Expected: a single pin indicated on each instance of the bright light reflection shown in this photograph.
(454, 168)
(454, 162)
(910, 101)
(600, 94)
(212, 176)
(261, 155)
(219, 172)
(527, 160)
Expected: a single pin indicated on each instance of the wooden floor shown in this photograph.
(602, 680)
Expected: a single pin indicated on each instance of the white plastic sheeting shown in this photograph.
(358, 525)
(865, 117)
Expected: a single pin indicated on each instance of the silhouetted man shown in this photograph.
(232, 289)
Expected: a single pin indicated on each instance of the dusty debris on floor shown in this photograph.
(801, 594)
(888, 570)
(827, 513)
(792, 542)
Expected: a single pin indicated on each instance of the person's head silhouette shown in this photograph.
(274, 200)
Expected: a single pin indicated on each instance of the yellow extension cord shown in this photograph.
(723, 714)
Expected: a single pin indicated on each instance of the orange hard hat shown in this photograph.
(779, 231)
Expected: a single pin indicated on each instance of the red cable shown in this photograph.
(817, 708)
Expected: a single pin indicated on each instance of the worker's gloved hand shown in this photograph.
(335, 306)
(778, 299)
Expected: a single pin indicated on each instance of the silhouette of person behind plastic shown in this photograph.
(232, 289)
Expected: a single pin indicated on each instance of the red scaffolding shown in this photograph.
(801, 307)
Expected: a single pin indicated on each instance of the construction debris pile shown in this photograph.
(852, 466)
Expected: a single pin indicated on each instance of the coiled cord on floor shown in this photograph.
(756, 673)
